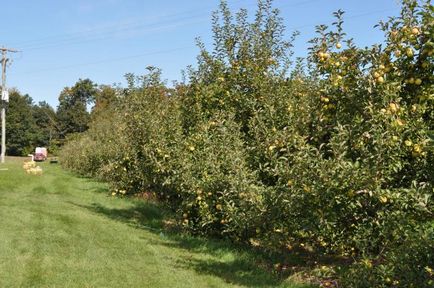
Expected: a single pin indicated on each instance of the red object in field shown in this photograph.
(40, 154)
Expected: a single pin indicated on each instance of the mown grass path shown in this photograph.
(58, 230)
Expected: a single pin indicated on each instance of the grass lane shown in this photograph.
(58, 230)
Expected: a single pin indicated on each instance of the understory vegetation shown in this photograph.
(332, 154)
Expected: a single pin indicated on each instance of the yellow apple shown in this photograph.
(393, 107)
(380, 80)
(409, 52)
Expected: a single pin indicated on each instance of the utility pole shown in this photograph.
(4, 100)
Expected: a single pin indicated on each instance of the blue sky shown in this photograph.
(62, 41)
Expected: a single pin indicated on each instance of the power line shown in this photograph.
(99, 34)
(105, 37)
(185, 47)
(114, 28)
(84, 38)
(111, 60)
(180, 48)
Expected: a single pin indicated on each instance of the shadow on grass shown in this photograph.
(98, 189)
(94, 185)
(233, 263)
(142, 215)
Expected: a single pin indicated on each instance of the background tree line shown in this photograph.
(31, 125)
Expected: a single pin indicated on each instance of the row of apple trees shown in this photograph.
(332, 153)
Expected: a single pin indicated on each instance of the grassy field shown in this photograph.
(59, 230)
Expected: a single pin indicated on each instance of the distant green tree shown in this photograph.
(21, 127)
(104, 99)
(72, 112)
(46, 121)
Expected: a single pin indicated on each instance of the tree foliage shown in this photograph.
(32, 125)
(46, 123)
(21, 132)
(72, 111)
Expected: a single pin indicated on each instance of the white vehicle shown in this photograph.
(40, 154)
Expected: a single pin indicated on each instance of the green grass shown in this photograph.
(59, 230)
